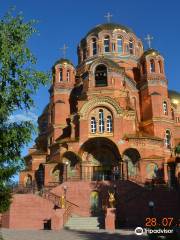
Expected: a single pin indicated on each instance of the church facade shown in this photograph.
(111, 117)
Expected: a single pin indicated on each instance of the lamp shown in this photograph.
(151, 204)
(65, 188)
(151, 208)
(115, 187)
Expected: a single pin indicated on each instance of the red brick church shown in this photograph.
(111, 125)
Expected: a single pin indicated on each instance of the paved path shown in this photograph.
(8, 234)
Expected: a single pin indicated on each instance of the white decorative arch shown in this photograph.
(103, 101)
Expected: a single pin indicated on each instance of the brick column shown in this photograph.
(125, 170)
(65, 172)
(110, 219)
(121, 169)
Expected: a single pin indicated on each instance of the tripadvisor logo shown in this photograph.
(139, 231)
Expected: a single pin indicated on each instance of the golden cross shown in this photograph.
(63, 49)
(148, 39)
(108, 16)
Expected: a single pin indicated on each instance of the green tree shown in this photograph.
(19, 80)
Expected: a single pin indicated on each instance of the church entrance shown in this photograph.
(131, 157)
(100, 160)
(95, 203)
(102, 173)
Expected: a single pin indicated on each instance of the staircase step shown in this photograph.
(78, 223)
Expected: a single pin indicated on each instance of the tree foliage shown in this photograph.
(177, 149)
(19, 80)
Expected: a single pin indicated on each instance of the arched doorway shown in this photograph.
(100, 157)
(101, 76)
(57, 173)
(39, 176)
(95, 203)
(28, 180)
(131, 157)
(71, 162)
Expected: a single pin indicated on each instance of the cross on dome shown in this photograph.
(149, 39)
(64, 49)
(108, 16)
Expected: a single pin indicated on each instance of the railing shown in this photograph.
(20, 188)
(55, 199)
(68, 211)
(95, 177)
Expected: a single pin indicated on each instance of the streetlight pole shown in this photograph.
(65, 192)
(151, 208)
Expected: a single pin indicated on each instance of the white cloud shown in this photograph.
(24, 116)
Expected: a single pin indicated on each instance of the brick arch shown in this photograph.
(28, 180)
(132, 157)
(110, 64)
(57, 172)
(101, 142)
(71, 156)
(71, 162)
(132, 152)
(107, 102)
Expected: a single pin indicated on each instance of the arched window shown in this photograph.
(84, 54)
(60, 74)
(165, 108)
(139, 49)
(68, 75)
(152, 66)
(101, 76)
(119, 44)
(51, 115)
(131, 46)
(167, 139)
(109, 124)
(127, 48)
(172, 113)
(101, 121)
(93, 125)
(144, 68)
(160, 67)
(94, 46)
(106, 44)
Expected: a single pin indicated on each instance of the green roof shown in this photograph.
(108, 26)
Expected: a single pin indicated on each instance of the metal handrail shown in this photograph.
(55, 199)
(68, 211)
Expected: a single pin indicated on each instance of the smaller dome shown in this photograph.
(151, 52)
(174, 96)
(63, 60)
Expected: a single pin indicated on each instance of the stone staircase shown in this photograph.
(82, 223)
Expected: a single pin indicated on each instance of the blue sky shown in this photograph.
(68, 21)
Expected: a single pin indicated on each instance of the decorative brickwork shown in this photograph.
(111, 118)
